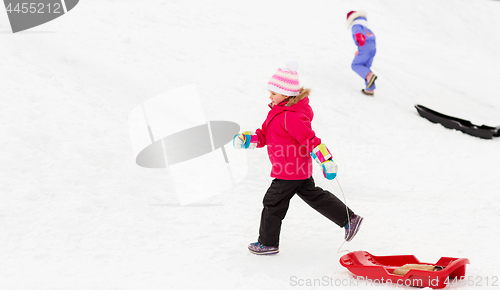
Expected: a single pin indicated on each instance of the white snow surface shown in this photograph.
(76, 212)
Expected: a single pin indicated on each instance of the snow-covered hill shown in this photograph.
(76, 212)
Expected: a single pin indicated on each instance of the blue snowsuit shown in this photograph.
(363, 60)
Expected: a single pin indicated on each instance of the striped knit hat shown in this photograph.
(286, 80)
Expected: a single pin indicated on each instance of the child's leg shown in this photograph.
(324, 202)
(276, 202)
(370, 59)
(369, 65)
(359, 65)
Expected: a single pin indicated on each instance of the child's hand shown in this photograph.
(356, 53)
(329, 169)
(360, 39)
(323, 157)
(238, 141)
(245, 140)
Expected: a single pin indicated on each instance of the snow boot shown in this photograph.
(368, 93)
(259, 249)
(352, 227)
(371, 80)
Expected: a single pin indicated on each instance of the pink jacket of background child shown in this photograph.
(290, 139)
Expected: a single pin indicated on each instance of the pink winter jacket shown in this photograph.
(290, 139)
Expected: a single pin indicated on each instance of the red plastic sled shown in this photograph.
(380, 269)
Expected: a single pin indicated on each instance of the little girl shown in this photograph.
(291, 143)
(365, 40)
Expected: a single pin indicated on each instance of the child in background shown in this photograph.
(291, 143)
(365, 40)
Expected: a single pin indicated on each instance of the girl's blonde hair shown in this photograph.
(302, 94)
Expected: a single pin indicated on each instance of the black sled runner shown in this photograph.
(483, 131)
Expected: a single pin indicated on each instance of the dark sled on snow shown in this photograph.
(381, 269)
(483, 131)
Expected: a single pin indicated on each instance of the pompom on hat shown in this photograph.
(285, 81)
(352, 15)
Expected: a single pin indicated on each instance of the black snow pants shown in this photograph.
(277, 200)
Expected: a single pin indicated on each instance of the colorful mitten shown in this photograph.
(245, 140)
(360, 39)
(323, 157)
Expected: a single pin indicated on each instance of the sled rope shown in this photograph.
(397, 87)
(348, 217)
